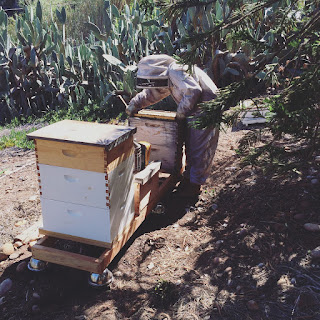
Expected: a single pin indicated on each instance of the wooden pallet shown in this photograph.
(149, 191)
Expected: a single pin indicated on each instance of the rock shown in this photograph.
(252, 305)
(15, 255)
(36, 296)
(33, 198)
(2, 300)
(216, 260)
(3, 256)
(228, 270)
(256, 248)
(20, 223)
(299, 216)
(317, 159)
(231, 168)
(312, 227)
(18, 244)
(35, 309)
(21, 266)
(314, 181)
(32, 243)
(5, 286)
(8, 248)
(150, 265)
(214, 207)
(315, 253)
(117, 274)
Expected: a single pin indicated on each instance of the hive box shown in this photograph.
(86, 180)
(161, 129)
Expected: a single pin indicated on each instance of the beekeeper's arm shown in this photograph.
(188, 88)
(145, 98)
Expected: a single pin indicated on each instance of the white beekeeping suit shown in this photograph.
(159, 76)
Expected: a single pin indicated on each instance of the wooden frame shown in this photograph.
(157, 186)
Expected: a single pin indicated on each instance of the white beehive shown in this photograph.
(86, 180)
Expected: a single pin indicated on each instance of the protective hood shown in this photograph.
(153, 71)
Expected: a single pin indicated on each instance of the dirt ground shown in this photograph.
(240, 252)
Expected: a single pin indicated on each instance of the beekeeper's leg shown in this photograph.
(201, 146)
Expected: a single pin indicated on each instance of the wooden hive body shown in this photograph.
(86, 180)
(161, 130)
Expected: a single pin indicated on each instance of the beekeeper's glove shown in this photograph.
(180, 116)
(131, 108)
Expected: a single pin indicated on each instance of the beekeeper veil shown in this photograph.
(153, 71)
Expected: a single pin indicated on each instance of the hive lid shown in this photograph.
(89, 133)
(157, 114)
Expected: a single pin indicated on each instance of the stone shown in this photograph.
(33, 198)
(21, 266)
(317, 159)
(315, 253)
(117, 274)
(228, 270)
(5, 286)
(8, 248)
(2, 300)
(252, 305)
(3, 256)
(15, 255)
(312, 227)
(36, 295)
(35, 309)
(20, 223)
(216, 260)
(151, 266)
(314, 181)
(32, 243)
(18, 244)
(214, 207)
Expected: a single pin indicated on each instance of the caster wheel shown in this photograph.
(159, 209)
(37, 265)
(100, 280)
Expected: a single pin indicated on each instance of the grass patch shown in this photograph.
(18, 139)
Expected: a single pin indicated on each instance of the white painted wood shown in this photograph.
(250, 116)
(76, 220)
(121, 189)
(73, 185)
(147, 173)
(163, 136)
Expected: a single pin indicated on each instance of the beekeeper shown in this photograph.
(159, 76)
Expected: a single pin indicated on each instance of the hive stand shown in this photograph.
(89, 193)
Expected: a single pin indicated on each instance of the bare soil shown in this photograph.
(239, 252)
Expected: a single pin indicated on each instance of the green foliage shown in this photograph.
(164, 293)
(278, 47)
(16, 138)
(42, 71)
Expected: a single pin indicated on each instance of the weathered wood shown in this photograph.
(157, 114)
(149, 191)
(146, 174)
(87, 133)
(70, 155)
(165, 140)
(74, 238)
(65, 258)
(32, 233)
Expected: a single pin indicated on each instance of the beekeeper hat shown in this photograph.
(153, 71)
